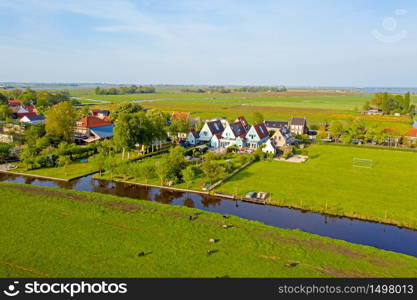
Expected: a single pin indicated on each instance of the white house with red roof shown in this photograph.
(257, 135)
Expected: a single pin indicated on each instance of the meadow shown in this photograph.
(73, 170)
(46, 232)
(317, 106)
(328, 182)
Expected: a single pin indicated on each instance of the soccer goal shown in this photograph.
(362, 163)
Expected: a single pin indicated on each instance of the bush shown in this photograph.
(231, 149)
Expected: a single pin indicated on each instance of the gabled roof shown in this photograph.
(35, 117)
(196, 134)
(243, 121)
(412, 132)
(275, 124)
(261, 130)
(299, 121)
(215, 127)
(180, 115)
(238, 129)
(92, 122)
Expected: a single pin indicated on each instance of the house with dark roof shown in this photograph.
(282, 137)
(33, 119)
(193, 137)
(90, 129)
(298, 126)
(275, 125)
(234, 134)
(243, 121)
(210, 129)
(257, 135)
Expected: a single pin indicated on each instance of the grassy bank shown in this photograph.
(60, 233)
(329, 183)
(73, 170)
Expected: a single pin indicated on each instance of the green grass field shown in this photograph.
(385, 193)
(73, 170)
(60, 233)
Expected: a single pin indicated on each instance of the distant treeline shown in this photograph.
(390, 103)
(245, 89)
(257, 89)
(133, 89)
(39, 98)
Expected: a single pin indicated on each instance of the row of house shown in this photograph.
(220, 134)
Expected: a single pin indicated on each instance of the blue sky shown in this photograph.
(302, 42)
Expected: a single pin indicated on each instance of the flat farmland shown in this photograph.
(316, 106)
(328, 182)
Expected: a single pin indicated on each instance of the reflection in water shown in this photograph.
(361, 232)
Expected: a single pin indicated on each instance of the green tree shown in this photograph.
(406, 103)
(212, 170)
(33, 133)
(3, 99)
(60, 121)
(28, 157)
(99, 161)
(378, 99)
(147, 171)
(44, 99)
(188, 175)
(5, 113)
(126, 108)
(28, 97)
(336, 129)
(176, 162)
(5, 152)
(162, 170)
(64, 161)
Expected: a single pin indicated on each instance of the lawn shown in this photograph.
(73, 170)
(47, 232)
(121, 174)
(328, 182)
